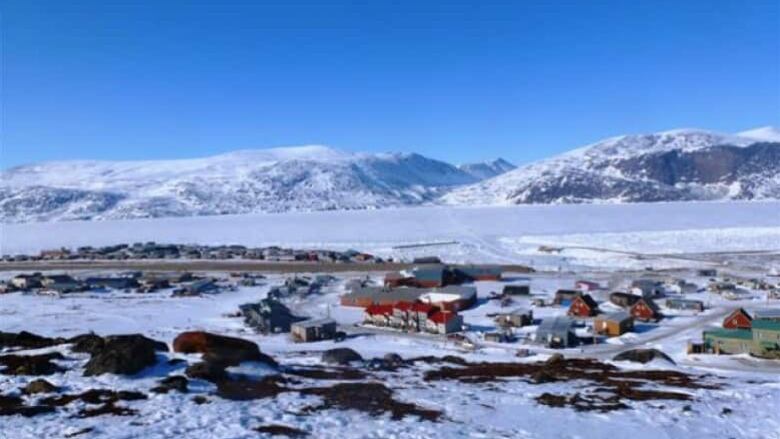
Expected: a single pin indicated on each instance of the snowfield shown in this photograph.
(482, 234)
(495, 410)
(602, 243)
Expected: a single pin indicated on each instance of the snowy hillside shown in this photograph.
(485, 170)
(673, 165)
(283, 179)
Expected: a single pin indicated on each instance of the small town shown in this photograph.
(470, 305)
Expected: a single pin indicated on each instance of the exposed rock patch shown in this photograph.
(123, 355)
(14, 405)
(281, 430)
(174, 382)
(31, 364)
(372, 398)
(27, 340)
(208, 371)
(39, 386)
(220, 349)
(642, 356)
(340, 356)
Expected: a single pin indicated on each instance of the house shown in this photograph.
(477, 272)
(27, 281)
(113, 283)
(766, 338)
(680, 286)
(419, 313)
(707, 272)
(52, 279)
(196, 288)
(378, 315)
(762, 339)
(268, 316)
(614, 324)
(649, 288)
(514, 319)
(557, 332)
(583, 306)
(728, 341)
(645, 309)
(314, 330)
(435, 275)
(394, 280)
(453, 297)
(565, 297)
(738, 319)
(516, 290)
(685, 304)
(497, 337)
(444, 322)
(585, 285)
(623, 300)
(722, 287)
(767, 314)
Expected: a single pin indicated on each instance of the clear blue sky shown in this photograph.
(455, 81)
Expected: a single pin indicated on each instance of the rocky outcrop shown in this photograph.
(31, 364)
(27, 340)
(207, 371)
(39, 386)
(174, 382)
(642, 356)
(123, 355)
(220, 349)
(340, 356)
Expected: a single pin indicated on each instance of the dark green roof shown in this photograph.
(768, 325)
(742, 334)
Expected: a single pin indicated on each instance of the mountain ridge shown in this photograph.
(675, 165)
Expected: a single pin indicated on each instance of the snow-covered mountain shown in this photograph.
(686, 164)
(485, 170)
(272, 180)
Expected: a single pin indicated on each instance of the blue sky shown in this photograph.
(452, 80)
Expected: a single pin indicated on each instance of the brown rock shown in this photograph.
(228, 351)
(39, 386)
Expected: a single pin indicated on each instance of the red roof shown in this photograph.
(423, 307)
(442, 317)
(379, 310)
(404, 306)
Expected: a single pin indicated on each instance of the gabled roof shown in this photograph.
(588, 300)
(404, 306)
(379, 310)
(556, 324)
(423, 307)
(738, 311)
(650, 303)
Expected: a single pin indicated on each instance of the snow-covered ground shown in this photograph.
(604, 239)
(504, 410)
(483, 234)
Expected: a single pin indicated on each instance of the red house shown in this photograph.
(738, 319)
(645, 309)
(583, 306)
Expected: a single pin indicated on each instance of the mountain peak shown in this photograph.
(487, 169)
(766, 133)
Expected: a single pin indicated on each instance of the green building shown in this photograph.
(762, 340)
